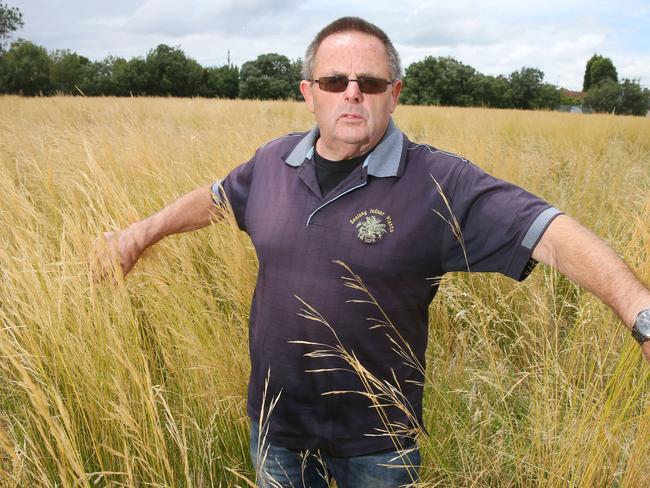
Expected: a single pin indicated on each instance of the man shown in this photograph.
(355, 190)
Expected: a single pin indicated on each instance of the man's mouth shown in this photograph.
(351, 116)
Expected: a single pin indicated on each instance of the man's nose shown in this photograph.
(352, 92)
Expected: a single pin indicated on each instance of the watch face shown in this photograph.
(643, 322)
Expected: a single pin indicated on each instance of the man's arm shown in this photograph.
(192, 211)
(589, 262)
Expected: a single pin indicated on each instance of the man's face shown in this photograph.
(350, 122)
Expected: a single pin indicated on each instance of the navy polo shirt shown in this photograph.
(405, 217)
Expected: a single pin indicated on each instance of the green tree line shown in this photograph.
(28, 69)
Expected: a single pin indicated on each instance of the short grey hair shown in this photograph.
(351, 24)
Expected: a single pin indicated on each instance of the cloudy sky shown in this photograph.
(496, 37)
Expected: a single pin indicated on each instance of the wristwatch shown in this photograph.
(641, 328)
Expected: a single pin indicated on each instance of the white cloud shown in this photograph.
(252, 18)
(637, 67)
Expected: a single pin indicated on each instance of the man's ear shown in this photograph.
(396, 89)
(305, 89)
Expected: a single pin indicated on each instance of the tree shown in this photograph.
(526, 90)
(598, 69)
(296, 77)
(438, 81)
(221, 82)
(488, 91)
(270, 76)
(66, 71)
(548, 97)
(634, 99)
(568, 98)
(25, 69)
(97, 77)
(11, 19)
(605, 94)
(131, 77)
(604, 97)
(171, 73)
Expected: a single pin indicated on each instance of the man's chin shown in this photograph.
(353, 137)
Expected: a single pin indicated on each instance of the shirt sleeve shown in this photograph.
(233, 191)
(494, 225)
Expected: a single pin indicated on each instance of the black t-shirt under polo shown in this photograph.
(395, 224)
(330, 173)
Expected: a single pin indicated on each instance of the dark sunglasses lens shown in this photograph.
(372, 85)
(338, 84)
(333, 83)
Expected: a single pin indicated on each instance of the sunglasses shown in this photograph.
(338, 84)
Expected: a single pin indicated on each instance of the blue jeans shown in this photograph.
(285, 468)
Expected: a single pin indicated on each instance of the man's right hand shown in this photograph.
(122, 247)
(192, 211)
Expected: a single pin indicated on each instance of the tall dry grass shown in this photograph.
(143, 382)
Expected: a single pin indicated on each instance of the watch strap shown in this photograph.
(638, 336)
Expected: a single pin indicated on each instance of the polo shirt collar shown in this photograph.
(383, 161)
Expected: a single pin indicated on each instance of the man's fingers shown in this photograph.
(114, 252)
(104, 256)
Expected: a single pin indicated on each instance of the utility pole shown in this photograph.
(229, 58)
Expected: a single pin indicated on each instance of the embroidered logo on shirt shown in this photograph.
(372, 225)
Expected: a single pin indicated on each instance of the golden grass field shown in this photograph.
(143, 382)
